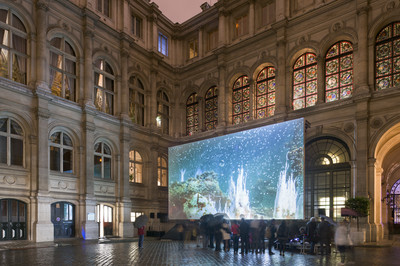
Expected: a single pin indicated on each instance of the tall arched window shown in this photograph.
(135, 167)
(102, 161)
(62, 69)
(192, 114)
(61, 152)
(13, 47)
(162, 171)
(265, 93)
(211, 108)
(136, 101)
(305, 81)
(103, 86)
(163, 112)
(387, 57)
(11, 142)
(241, 100)
(339, 71)
(328, 177)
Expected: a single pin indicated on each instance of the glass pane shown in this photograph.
(19, 69)
(22, 212)
(67, 161)
(109, 103)
(56, 82)
(14, 211)
(54, 158)
(138, 173)
(138, 157)
(17, 23)
(3, 149)
(67, 140)
(109, 84)
(97, 166)
(70, 66)
(4, 59)
(15, 128)
(107, 168)
(56, 42)
(107, 149)
(97, 147)
(3, 124)
(69, 88)
(56, 138)
(69, 49)
(4, 211)
(17, 151)
(19, 43)
(99, 98)
(3, 15)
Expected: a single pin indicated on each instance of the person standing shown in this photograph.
(141, 236)
(271, 236)
(244, 235)
(282, 235)
(261, 236)
(311, 232)
(235, 234)
(324, 233)
(226, 235)
(342, 240)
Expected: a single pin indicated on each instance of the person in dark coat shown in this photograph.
(311, 232)
(244, 235)
(271, 238)
(261, 243)
(282, 235)
(325, 235)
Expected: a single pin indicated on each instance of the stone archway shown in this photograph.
(386, 173)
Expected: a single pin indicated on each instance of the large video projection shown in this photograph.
(255, 174)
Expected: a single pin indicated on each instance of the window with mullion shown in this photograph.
(192, 115)
(102, 161)
(241, 100)
(305, 81)
(136, 101)
(103, 6)
(387, 57)
(339, 71)
(61, 152)
(104, 87)
(162, 118)
(162, 44)
(211, 108)
(13, 47)
(62, 69)
(135, 167)
(11, 142)
(162, 180)
(265, 93)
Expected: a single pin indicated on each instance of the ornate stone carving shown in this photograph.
(9, 180)
(62, 185)
(337, 26)
(348, 127)
(376, 122)
(103, 189)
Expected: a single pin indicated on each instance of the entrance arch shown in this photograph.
(63, 218)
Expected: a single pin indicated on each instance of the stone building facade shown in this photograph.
(94, 92)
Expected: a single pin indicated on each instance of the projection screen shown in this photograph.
(255, 174)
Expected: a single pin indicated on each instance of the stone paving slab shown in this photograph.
(156, 252)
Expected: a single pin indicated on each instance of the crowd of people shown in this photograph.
(255, 236)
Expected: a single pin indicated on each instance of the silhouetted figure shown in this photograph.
(311, 231)
(235, 235)
(244, 235)
(261, 242)
(282, 235)
(271, 236)
(325, 234)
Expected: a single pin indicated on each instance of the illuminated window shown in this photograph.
(162, 118)
(163, 44)
(62, 69)
(135, 167)
(61, 152)
(192, 115)
(103, 86)
(135, 215)
(211, 108)
(162, 169)
(136, 26)
(241, 26)
(103, 6)
(13, 47)
(339, 72)
(212, 40)
(387, 57)
(305, 81)
(11, 142)
(102, 161)
(265, 93)
(241, 100)
(136, 101)
(193, 48)
(328, 175)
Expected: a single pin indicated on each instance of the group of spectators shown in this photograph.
(253, 233)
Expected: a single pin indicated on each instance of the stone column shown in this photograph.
(153, 21)
(201, 42)
(88, 82)
(221, 28)
(320, 80)
(252, 102)
(124, 90)
(251, 18)
(153, 99)
(42, 66)
(222, 105)
(361, 57)
(280, 79)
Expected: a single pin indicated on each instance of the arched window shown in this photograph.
(241, 100)
(61, 152)
(11, 142)
(339, 72)
(13, 47)
(135, 167)
(328, 176)
(393, 201)
(305, 81)
(211, 108)
(387, 57)
(265, 93)
(163, 112)
(162, 170)
(192, 114)
(136, 101)
(103, 86)
(62, 69)
(102, 161)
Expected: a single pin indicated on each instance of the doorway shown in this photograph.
(12, 220)
(104, 216)
(63, 218)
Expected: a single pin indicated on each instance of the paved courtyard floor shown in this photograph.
(156, 252)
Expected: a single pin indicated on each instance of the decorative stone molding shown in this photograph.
(337, 26)
(376, 122)
(41, 5)
(9, 180)
(103, 189)
(390, 6)
(348, 127)
(62, 185)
